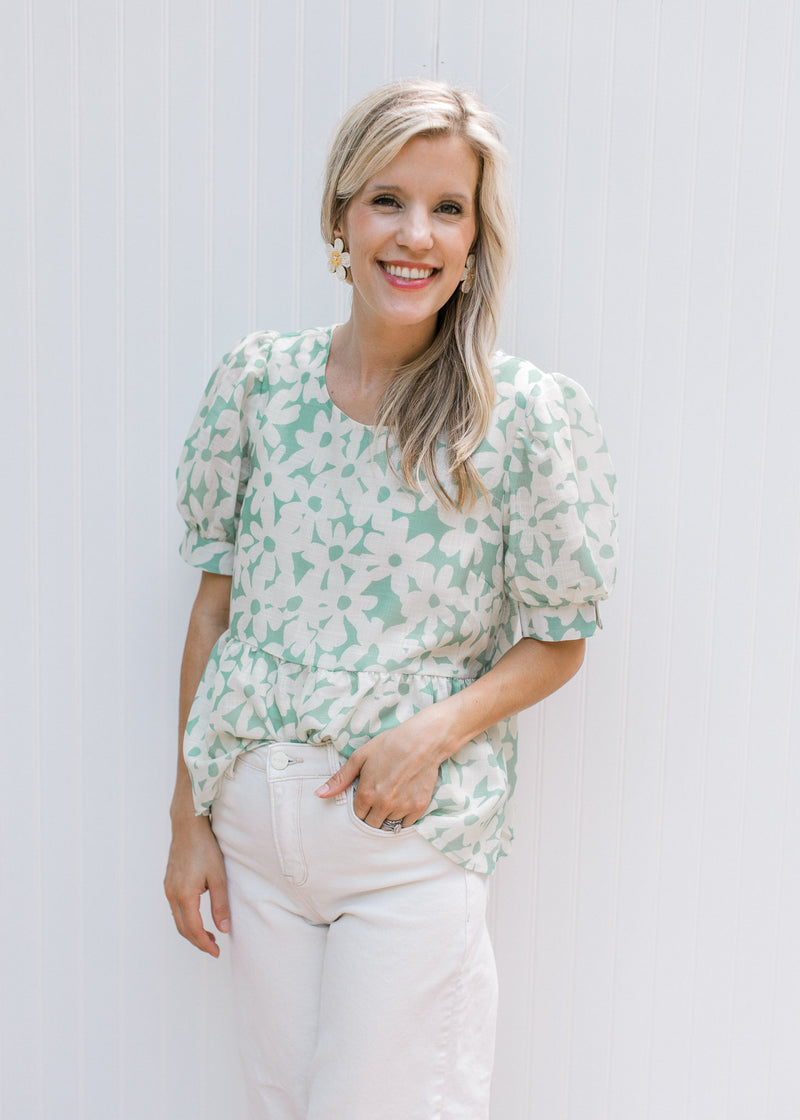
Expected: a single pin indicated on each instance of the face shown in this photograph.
(409, 231)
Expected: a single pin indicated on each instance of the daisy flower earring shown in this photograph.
(338, 259)
(468, 278)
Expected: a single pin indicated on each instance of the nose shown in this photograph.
(416, 230)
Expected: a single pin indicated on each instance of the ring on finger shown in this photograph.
(392, 826)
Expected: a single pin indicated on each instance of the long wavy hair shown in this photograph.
(448, 392)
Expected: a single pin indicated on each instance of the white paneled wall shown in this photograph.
(158, 191)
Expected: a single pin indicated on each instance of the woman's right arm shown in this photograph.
(195, 862)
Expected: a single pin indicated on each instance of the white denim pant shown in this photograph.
(364, 978)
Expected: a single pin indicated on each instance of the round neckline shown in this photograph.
(327, 393)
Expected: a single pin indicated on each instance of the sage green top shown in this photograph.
(357, 601)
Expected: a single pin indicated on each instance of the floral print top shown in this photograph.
(357, 601)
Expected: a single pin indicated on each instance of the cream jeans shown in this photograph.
(364, 978)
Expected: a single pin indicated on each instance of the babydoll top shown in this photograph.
(357, 601)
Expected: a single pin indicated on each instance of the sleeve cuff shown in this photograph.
(558, 624)
(211, 556)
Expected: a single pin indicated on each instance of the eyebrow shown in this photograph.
(394, 189)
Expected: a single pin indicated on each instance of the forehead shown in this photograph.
(434, 162)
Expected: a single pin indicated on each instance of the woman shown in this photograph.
(418, 533)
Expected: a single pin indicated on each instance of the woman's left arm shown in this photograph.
(397, 770)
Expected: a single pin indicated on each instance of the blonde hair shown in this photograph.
(449, 390)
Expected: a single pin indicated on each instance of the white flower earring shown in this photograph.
(468, 278)
(338, 259)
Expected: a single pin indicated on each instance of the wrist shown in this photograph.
(443, 732)
(187, 824)
(181, 810)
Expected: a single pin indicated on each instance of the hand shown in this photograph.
(195, 866)
(396, 771)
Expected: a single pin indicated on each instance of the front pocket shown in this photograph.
(245, 759)
(362, 826)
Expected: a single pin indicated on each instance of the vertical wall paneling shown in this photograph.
(58, 572)
(415, 40)
(504, 40)
(159, 199)
(297, 150)
(725, 720)
(76, 421)
(163, 767)
(322, 50)
(782, 508)
(254, 63)
(230, 108)
(369, 49)
(760, 219)
(675, 179)
(116, 552)
(20, 818)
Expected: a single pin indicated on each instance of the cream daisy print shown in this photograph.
(356, 601)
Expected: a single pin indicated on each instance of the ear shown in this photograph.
(339, 228)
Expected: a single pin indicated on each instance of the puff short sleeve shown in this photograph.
(214, 466)
(561, 554)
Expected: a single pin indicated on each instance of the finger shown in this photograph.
(190, 925)
(343, 777)
(376, 817)
(220, 910)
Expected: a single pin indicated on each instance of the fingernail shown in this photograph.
(225, 925)
(322, 790)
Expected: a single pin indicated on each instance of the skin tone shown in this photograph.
(416, 214)
(409, 231)
(195, 861)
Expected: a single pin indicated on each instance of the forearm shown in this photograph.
(195, 862)
(397, 769)
(530, 671)
(209, 619)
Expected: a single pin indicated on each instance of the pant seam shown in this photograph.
(456, 998)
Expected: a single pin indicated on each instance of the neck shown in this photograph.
(372, 352)
(364, 357)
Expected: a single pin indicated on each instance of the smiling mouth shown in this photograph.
(402, 273)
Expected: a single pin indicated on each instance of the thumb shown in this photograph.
(342, 778)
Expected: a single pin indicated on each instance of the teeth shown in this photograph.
(409, 273)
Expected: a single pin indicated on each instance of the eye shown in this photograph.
(385, 200)
(450, 208)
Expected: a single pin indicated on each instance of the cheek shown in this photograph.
(462, 240)
(358, 233)
(462, 250)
